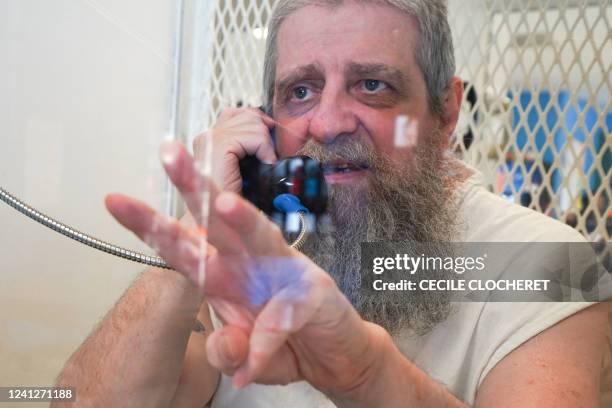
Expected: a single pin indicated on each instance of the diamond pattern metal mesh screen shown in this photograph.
(536, 117)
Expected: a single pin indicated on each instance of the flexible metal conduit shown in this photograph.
(100, 245)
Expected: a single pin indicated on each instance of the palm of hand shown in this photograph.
(284, 317)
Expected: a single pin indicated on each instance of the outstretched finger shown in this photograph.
(185, 175)
(180, 247)
(198, 191)
(260, 236)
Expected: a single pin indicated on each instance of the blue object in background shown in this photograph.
(542, 130)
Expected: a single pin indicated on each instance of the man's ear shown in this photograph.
(451, 106)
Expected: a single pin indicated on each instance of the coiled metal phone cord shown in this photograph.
(100, 245)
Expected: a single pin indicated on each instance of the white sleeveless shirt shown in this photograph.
(461, 351)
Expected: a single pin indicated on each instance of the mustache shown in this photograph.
(343, 149)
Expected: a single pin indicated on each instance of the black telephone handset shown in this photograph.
(292, 184)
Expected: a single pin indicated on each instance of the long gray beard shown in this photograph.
(408, 203)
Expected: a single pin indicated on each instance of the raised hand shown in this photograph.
(284, 318)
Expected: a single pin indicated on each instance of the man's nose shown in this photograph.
(333, 116)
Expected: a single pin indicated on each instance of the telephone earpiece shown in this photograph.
(293, 188)
(293, 184)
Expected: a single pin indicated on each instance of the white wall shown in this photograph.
(85, 99)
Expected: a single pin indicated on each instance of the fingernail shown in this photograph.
(229, 352)
(168, 152)
(260, 339)
(240, 379)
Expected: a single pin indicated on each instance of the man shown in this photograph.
(290, 332)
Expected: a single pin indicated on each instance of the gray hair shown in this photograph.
(434, 53)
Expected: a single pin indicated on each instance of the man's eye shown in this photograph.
(301, 93)
(374, 85)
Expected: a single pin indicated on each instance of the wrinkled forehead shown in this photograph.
(333, 37)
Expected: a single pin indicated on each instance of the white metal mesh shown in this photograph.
(536, 118)
(237, 56)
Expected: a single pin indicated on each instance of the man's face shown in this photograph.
(348, 71)
(343, 76)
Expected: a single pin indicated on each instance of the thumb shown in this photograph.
(227, 348)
